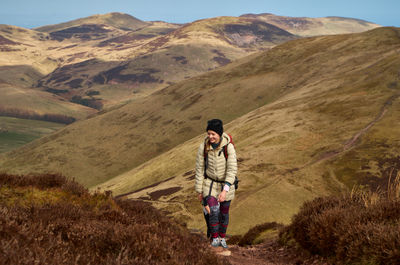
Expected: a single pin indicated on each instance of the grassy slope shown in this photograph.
(279, 166)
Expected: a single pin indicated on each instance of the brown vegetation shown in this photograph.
(237, 33)
(358, 228)
(48, 219)
(83, 32)
(89, 102)
(32, 115)
(115, 75)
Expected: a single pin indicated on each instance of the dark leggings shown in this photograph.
(219, 217)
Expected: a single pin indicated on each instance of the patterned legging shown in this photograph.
(219, 217)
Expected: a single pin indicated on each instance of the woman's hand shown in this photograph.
(200, 196)
(222, 196)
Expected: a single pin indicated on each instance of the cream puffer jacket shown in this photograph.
(218, 169)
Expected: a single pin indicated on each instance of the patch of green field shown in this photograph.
(16, 132)
(11, 140)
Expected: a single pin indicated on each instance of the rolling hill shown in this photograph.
(306, 27)
(309, 117)
(144, 62)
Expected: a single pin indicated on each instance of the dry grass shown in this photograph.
(68, 225)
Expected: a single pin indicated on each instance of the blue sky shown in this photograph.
(34, 13)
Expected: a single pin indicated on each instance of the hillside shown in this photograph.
(306, 27)
(320, 113)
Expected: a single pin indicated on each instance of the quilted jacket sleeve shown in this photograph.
(199, 169)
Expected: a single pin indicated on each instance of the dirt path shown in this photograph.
(269, 253)
(352, 142)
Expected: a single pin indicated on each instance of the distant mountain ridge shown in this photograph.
(306, 27)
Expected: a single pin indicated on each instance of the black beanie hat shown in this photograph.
(216, 126)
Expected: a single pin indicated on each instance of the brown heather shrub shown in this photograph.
(41, 181)
(372, 243)
(301, 221)
(234, 240)
(84, 228)
(44, 181)
(358, 228)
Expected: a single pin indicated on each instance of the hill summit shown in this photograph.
(117, 20)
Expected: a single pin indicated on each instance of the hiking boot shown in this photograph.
(215, 242)
(223, 243)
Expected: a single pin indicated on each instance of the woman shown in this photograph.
(215, 175)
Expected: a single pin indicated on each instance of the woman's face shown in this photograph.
(213, 137)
